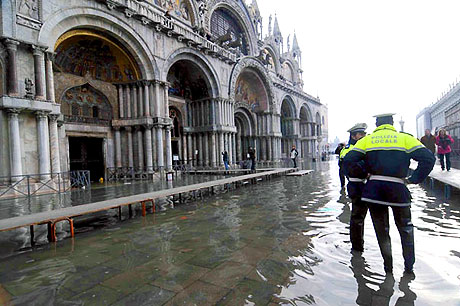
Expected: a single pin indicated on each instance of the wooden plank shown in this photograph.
(451, 178)
(299, 173)
(74, 211)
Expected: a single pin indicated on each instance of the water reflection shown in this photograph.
(285, 241)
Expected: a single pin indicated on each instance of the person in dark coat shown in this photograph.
(341, 172)
(429, 141)
(225, 159)
(252, 158)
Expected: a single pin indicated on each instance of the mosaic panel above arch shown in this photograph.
(250, 90)
(83, 52)
(85, 104)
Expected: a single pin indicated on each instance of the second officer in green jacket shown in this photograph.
(387, 154)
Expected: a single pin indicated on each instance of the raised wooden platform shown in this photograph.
(68, 213)
(451, 179)
(300, 173)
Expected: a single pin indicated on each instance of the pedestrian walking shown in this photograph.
(429, 141)
(386, 154)
(355, 188)
(443, 141)
(294, 154)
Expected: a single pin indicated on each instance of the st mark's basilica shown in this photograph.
(136, 86)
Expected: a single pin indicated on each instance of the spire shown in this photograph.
(276, 29)
(295, 44)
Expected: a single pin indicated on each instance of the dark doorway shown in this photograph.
(87, 154)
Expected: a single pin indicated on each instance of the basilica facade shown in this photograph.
(107, 85)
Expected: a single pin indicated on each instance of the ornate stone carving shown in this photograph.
(28, 87)
(29, 8)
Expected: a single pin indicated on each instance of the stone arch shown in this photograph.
(257, 67)
(273, 52)
(86, 104)
(242, 17)
(288, 71)
(198, 59)
(306, 120)
(318, 124)
(292, 105)
(245, 131)
(65, 20)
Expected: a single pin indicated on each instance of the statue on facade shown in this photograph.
(28, 8)
(28, 87)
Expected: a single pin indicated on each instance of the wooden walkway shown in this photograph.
(300, 173)
(450, 179)
(67, 214)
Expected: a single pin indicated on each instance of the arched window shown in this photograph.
(223, 22)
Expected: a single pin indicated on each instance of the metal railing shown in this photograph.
(28, 185)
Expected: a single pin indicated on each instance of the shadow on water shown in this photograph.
(283, 241)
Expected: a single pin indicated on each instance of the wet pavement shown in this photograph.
(279, 242)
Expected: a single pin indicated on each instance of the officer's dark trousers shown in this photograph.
(402, 216)
(342, 177)
(358, 214)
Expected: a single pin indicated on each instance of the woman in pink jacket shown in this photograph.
(443, 141)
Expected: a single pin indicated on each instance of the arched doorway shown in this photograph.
(191, 92)
(287, 125)
(177, 133)
(89, 68)
(305, 131)
(245, 132)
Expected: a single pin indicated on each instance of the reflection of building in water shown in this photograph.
(445, 113)
(111, 86)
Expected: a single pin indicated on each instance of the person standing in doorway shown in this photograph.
(386, 154)
(252, 158)
(429, 141)
(443, 141)
(225, 159)
(294, 155)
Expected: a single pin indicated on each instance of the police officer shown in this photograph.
(387, 154)
(355, 187)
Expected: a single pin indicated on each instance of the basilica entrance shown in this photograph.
(86, 153)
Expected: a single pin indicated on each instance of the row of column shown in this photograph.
(308, 129)
(205, 149)
(43, 71)
(268, 148)
(47, 143)
(143, 99)
(151, 151)
(208, 112)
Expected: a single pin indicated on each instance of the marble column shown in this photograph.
(154, 149)
(214, 154)
(157, 100)
(134, 100)
(15, 144)
(54, 143)
(128, 103)
(148, 148)
(166, 100)
(230, 148)
(12, 75)
(239, 149)
(43, 145)
(146, 100)
(270, 149)
(140, 148)
(160, 151)
(49, 78)
(200, 150)
(263, 148)
(168, 148)
(39, 72)
(189, 148)
(234, 148)
(129, 132)
(117, 146)
(205, 150)
(121, 107)
(140, 104)
(184, 148)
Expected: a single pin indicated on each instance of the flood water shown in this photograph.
(283, 241)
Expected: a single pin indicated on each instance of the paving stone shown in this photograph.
(228, 274)
(199, 293)
(146, 295)
(178, 278)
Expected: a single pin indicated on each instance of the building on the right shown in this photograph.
(444, 113)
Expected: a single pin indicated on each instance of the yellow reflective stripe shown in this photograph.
(386, 149)
(415, 148)
(359, 150)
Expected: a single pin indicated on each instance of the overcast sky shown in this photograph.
(363, 57)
